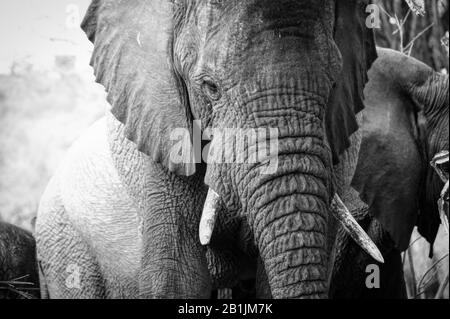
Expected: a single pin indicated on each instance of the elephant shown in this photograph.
(395, 187)
(122, 216)
(19, 278)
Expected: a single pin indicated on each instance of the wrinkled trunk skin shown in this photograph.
(287, 210)
(289, 218)
(291, 235)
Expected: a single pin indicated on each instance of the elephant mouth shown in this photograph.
(440, 164)
(338, 209)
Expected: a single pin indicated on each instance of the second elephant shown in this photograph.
(405, 126)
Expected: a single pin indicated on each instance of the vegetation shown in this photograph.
(418, 35)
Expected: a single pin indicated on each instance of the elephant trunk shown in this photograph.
(287, 209)
(289, 218)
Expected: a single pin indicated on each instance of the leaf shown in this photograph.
(417, 6)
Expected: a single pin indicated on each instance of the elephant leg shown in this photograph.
(69, 269)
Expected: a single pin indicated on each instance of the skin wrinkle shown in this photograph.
(304, 276)
(246, 180)
(313, 293)
(307, 273)
(313, 196)
(248, 114)
(301, 173)
(306, 227)
(293, 242)
(433, 95)
(307, 256)
(283, 201)
(279, 178)
(312, 290)
(282, 86)
(280, 196)
(302, 225)
(303, 230)
(270, 241)
(307, 156)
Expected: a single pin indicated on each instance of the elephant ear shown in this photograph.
(428, 92)
(132, 59)
(390, 170)
(357, 45)
(388, 178)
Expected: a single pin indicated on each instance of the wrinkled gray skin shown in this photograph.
(405, 125)
(122, 218)
(17, 263)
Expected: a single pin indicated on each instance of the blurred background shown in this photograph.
(48, 97)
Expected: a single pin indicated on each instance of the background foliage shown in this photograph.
(419, 36)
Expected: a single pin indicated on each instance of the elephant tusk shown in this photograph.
(208, 219)
(342, 214)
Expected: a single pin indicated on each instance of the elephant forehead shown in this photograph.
(243, 25)
(255, 13)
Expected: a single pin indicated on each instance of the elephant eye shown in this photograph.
(211, 89)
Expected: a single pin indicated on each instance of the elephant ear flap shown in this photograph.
(389, 172)
(390, 166)
(357, 46)
(132, 59)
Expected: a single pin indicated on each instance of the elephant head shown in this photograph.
(406, 125)
(244, 65)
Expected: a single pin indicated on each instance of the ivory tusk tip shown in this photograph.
(344, 216)
(205, 240)
(208, 218)
(377, 256)
(206, 231)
